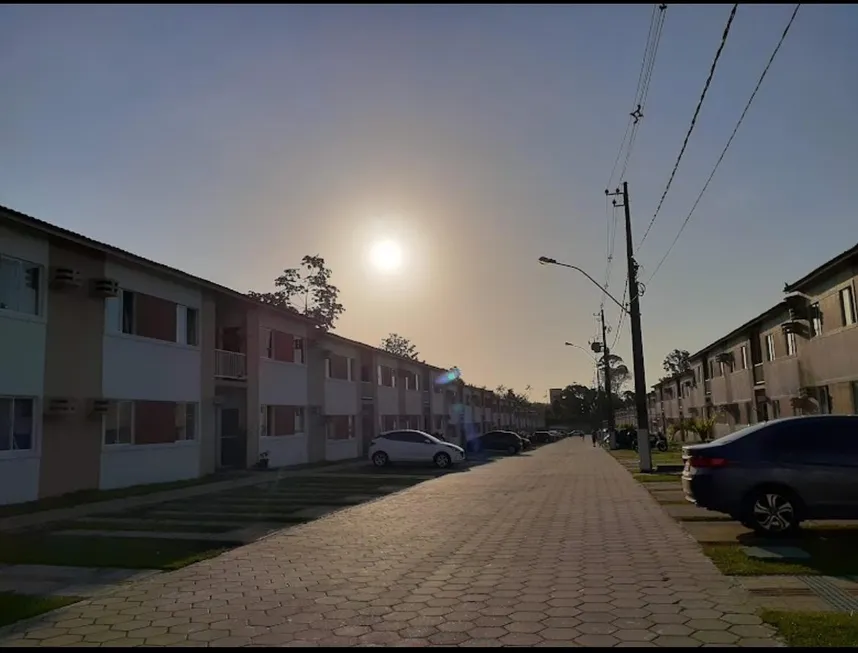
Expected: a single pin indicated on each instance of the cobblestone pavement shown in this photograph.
(556, 547)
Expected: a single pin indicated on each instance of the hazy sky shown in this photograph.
(228, 141)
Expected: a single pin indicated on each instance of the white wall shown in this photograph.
(282, 384)
(127, 465)
(19, 478)
(342, 449)
(285, 450)
(145, 368)
(387, 400)
(413, 402)
(341, 398)
(22, 337)
(22, 370)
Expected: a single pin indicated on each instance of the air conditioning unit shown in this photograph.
(60, 406)
(65, 278)
(105, 287)
(99, 406)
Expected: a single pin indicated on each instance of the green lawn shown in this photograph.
(832, 553)
(121, 552)
(92, 496)
(814, 629)
(14, 607)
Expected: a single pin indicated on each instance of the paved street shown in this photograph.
(557, 547)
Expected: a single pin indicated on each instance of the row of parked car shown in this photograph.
(413, 446)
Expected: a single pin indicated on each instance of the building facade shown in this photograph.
(119, 371)
(799, 357)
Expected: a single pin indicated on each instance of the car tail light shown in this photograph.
(703, 462)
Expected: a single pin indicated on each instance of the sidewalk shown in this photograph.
(556, 547)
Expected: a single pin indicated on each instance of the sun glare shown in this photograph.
(386, 256)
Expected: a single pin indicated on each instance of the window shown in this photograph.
(351, 364)
(280, 346)
(340, 427)
(20, 285)
(187, 325)
(847, 306)
(17, 423)
(770, 347)
(855, 397)
(743, 351)
(136, 313)
(119, 423)
(339, 367)
(815, 320)
(186, 421)
(776, 408)
(279, 421)
(790, 344)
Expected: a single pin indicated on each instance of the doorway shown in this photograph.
(233, 439)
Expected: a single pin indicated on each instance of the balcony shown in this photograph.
(230, 365)
(759, 376)
(720, 390)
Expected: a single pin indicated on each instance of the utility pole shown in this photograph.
(606, 362)
(644, 452)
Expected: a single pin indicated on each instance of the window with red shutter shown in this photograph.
(154, 422)
(155, 317)
(284, 348)
(284, 420)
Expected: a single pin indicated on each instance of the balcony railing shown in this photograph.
(759, 377)
(230, 364)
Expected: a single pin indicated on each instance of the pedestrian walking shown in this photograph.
(594, 436)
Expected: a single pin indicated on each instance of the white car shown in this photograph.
(410, 446)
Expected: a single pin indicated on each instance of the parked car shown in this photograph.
(525, 441)
(413, 447)
(505, 441)
(541, 437)
(774, 475)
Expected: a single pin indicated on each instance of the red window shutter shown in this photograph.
(154, 422)
(155, 317)
(284, 420)
(340, 367)
(284, 347)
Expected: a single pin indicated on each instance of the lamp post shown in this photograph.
(544, 260)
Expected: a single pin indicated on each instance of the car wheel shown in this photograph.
(661, 446)
(772, 511)
(380, 459)
(512, 450)
(442, 460)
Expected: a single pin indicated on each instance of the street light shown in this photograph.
(544, 260)
(586, 351)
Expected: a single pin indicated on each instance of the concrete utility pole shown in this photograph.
(644, 452)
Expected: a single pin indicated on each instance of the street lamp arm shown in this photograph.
(572, 344)
(544, 260)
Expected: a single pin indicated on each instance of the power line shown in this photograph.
(620, 320)
(729, 141)
(693, 120)
(656, 24)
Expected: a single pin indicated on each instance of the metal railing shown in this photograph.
(230, 364)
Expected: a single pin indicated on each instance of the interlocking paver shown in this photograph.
(558, 548)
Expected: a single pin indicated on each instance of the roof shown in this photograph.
(777, 308)
(52, 230)
(829, 267)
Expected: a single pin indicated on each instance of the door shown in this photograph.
(233, 447)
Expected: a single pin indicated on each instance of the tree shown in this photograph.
(399, 345)
(677, 362)
(306, 290)
(620, 373)
(575, 402)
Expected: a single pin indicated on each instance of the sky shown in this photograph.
(230, 140)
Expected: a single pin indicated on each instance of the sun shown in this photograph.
(386, 256)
